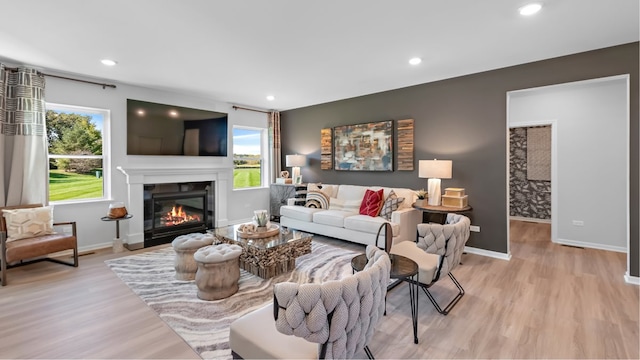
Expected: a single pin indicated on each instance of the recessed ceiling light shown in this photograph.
(108, 62)
(530, 9)
(415, 61)
(271, 97)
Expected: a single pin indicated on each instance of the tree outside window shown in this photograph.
(75, 144)
(248, 157)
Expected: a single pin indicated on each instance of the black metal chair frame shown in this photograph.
(425, 287)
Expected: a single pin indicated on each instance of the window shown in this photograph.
(248, 157)
(76, 142)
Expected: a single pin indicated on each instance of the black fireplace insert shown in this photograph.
(171, 214)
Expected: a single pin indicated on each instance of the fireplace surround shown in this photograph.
(138, 177)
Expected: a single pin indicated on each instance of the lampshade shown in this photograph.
(438, 169)
(296, 160)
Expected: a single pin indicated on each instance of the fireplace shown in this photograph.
(171, 210)
(141, 179)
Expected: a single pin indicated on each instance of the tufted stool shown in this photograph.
(185, 246)
(218, 271)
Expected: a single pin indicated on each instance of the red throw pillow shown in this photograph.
(372, 202)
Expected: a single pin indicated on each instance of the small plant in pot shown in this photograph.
(261, 219)
(422, 197)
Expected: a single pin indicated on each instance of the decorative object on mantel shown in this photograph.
(405, 144)
(117, 210)
(434, 170)
(422, 197)
(295, 162)
(455, 197)
(326, 153)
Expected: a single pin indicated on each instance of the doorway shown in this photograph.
(589, 157)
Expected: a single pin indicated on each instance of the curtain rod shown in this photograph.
(72, 79)
(244, 108)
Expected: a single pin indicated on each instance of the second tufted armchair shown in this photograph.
(332, 320)
(437, 251)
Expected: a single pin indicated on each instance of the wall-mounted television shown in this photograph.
(159, 129)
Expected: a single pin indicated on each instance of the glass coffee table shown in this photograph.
(270, 256)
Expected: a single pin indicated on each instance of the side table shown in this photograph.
(117, 242)
(438, 213)
(403, 269)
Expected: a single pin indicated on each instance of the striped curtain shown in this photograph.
(23, 142)
(275, 151)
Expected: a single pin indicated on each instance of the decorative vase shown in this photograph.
(421, 202)
(261, 229)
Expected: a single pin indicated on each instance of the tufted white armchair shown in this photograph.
(437, 252)
(332, 320)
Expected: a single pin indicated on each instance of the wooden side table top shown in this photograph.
(441, 209)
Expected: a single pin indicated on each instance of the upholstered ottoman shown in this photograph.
(185, 246)
(218, 271)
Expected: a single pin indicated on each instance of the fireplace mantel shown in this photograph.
(138, 176)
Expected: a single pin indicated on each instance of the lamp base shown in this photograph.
(295, 175)
(433, 188)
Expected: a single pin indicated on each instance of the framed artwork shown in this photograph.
(326, 156)
(363, 147)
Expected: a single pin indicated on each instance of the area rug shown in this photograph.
(204, 325)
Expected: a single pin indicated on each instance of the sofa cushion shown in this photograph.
(317, 199)
(298, 212)
(372, 202)
(368, 224)
(408, 195)
(345, 205)
(391, 204)
(351, 192)
(331, 217)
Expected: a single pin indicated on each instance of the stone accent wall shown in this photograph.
(528, 198)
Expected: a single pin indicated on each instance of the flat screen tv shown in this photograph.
(158, 129)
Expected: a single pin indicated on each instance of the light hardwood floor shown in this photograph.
(548, 301)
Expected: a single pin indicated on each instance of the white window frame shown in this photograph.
(264, 156)
(106, 150)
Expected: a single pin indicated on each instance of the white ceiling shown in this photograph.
(303, 52)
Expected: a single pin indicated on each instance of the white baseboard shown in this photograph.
(521, 218)
(93, 247)
(591, 245)
(488, 253)
(633, 280)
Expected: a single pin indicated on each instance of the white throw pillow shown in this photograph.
(29, 222)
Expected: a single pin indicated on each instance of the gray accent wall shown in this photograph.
(464, 119)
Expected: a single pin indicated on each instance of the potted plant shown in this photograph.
(422, 197)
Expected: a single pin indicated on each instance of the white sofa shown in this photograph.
(349, 224)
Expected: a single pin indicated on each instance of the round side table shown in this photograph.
(117, 242)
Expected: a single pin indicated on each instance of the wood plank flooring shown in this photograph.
(548, 301)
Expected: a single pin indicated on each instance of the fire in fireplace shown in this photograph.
(178, 216)
(170, 214)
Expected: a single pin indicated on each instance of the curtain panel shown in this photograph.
(23, 142)
(275, 151)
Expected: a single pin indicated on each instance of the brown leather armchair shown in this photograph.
(29, 250)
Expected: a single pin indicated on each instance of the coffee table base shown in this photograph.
(270, 262)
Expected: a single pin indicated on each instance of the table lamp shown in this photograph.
(434, 170)
(295, 161)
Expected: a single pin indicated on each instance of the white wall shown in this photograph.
(592, 156)
(94, 233)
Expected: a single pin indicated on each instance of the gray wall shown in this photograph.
(464, 119)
